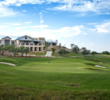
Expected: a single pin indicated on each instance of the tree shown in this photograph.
(93, 52)
(71, 46)
(76, 49)
(105, 52)
(10, 48)
(1, 49)
(59, 46)
(22, 50)
(53, 50)
(16, 51)
(56, 42)
(84, 51)
(26, 50)
(62, 52)
(46, 45)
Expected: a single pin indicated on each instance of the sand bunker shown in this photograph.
(100, 66)
(8, 63)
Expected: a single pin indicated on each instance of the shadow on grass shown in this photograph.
(94, 60)
(91, 64)
(93, 69)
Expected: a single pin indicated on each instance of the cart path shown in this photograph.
(48, 54)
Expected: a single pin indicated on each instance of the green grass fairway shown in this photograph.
(36, 79)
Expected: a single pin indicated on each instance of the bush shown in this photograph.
(93, 52)
(62, 52)
(53, 50)
(105, 52)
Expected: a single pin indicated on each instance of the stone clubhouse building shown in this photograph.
(34, 44)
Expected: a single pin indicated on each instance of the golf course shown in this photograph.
(55, 78)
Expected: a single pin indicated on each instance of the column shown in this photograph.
(38, 49)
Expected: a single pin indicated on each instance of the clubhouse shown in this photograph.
(34, 44)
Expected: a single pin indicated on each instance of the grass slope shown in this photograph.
(35, 78)
(37, 53)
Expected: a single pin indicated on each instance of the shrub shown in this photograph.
(62, 52)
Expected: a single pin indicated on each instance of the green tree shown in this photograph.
(93, 52)
(46, 45)
(62, 52)
(105, 52)
(10, 49)
(53, 50)
(2, 49)
(72, 45)
(22, 50)
(16, 50)
(76, 49)
(59, 46)
(84, 51)
(56, 42)
(26, 50)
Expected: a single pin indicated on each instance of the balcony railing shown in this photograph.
(30, 44)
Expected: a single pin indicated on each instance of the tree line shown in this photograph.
(13, 50)
(76, 49)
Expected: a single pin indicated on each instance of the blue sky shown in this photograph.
(85, 23)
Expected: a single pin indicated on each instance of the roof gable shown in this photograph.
(6, 37)
(25, 37)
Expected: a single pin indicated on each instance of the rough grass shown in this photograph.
(37, 53)
(36, 79)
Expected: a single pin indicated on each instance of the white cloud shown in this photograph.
(67, 31)
(3, 26)
(92, 23)
(41, 21)
(18, 28)
(24, 10)
(85, 7)
(38, 26)
(103, 28)
(16, 24)
(5, 11)
(98, 6)
(64, 32)
(91, 43)
(28, 22)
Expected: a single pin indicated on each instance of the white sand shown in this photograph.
(100, 66)
(8, 63)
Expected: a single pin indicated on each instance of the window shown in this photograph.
(7, 42)
(12, 43)
(25, 37)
